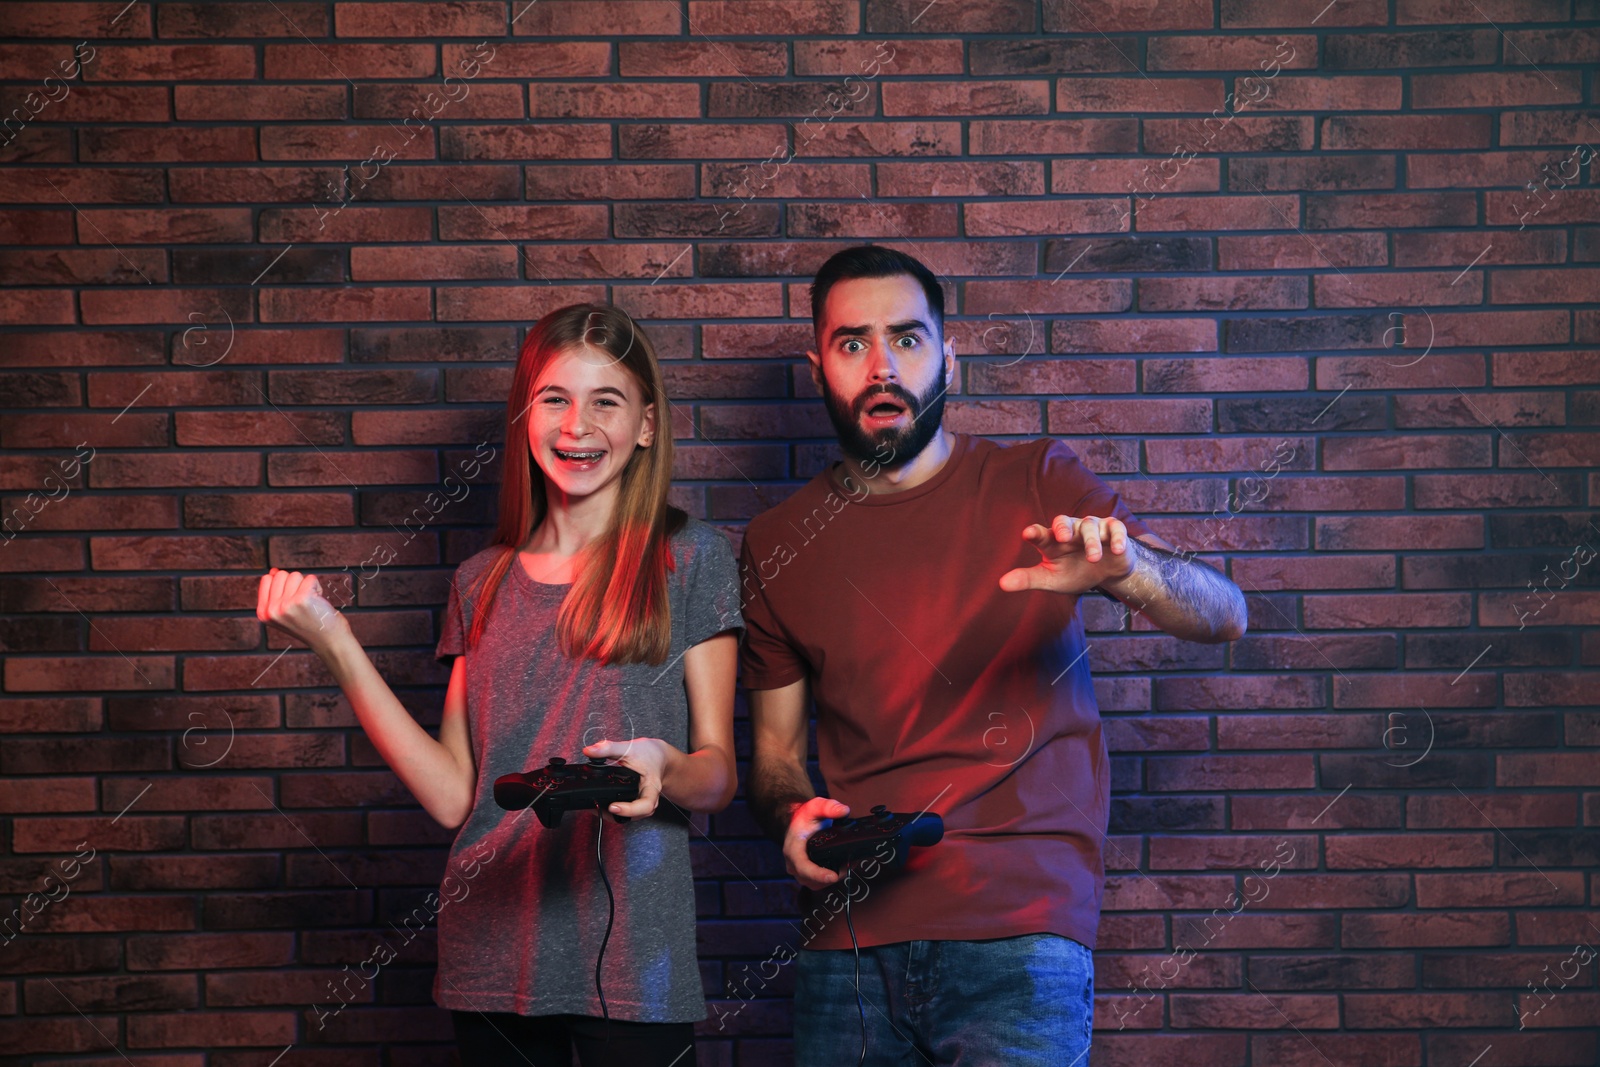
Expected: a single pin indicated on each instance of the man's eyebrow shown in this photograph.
(906, 326)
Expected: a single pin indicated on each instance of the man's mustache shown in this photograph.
(870, 397)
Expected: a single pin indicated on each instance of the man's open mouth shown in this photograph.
(885, 409)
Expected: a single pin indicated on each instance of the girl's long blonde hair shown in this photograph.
(617, 609)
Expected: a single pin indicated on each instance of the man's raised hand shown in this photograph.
(1076, 555)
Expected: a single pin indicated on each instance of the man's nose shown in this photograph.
(884, 366)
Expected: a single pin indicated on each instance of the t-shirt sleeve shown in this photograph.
(767, 660)
(453, 625)
(1064, 486)
(713, 598)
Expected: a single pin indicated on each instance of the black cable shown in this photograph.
(856, 947)
(611, 916)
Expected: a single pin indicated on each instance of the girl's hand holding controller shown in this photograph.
(293, 602)
(649, 756)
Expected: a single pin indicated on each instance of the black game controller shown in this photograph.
(848, 840)
(562, 787)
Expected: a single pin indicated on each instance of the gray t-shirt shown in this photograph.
(522, 907)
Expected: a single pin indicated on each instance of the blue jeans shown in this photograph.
(1014, 1002)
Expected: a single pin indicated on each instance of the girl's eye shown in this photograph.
(606, 401)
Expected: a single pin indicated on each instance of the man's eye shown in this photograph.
(853, 346)
(909, 339)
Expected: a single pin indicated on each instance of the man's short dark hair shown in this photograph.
(874, 261)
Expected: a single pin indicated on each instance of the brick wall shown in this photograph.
(1313, 284)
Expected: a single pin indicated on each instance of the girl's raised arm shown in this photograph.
(440, 774)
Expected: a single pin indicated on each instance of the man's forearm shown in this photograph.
(776, 787)
(1181, 596)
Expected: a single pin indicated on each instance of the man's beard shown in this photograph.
(892, 447)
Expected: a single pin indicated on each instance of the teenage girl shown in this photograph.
(599, 612)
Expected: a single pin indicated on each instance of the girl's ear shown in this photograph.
(647, 432)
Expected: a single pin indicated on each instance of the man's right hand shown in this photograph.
(806, 820)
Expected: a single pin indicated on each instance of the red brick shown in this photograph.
(214, 1028)
(394, 19)
(1501, 410)
(1542, 127)
(244, 19)
(1403, 369)
(1129, 1050)
(872, 219)
(1494, 490)
(1053, 136)
(1298, 731)
(618, 181)
(1370, 1011)
(1269, 133)
(1476, 328)
(1546, 368)
(1232, 53)
(311, 61)
(894, 139)
(247, 103)
(1198, 773)
(1233, 852)
(1375, 1050)
(1226, 373)
(1343, 92)
(1413, 850)
(532, 141)
(1458, 11)
(180, 62)
(1274, 252)
(1255, 1011)
(1497, 90)
(796, 180)
(969, 97)
(1124, 335)
(1362, 612)
(704, 59)
(970, 179)
(1500, 890)
(1228, 293)
(1131, 175)
(864, 58)
(52, 20)
(1129, 416)
(1075, 95)
(1375, 132)
(983, 16)
(1543, 286)
(559, 18)
(1306, 812)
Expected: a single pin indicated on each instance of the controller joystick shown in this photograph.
(884, 835)
(560, 787)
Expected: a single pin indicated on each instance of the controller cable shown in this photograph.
(856, 948)
(611, 917)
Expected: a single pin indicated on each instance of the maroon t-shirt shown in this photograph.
(936, 690)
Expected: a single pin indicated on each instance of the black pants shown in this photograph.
(493, 1039)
